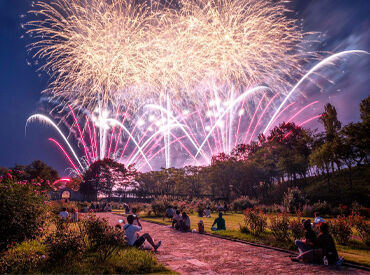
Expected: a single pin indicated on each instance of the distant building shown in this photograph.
(66, 193)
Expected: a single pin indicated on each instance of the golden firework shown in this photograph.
(106, 51)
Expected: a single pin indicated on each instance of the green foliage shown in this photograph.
(103, 239)
(341, 228)
(160, 205)
(294, 199)
(27, 257)
(102, 175)
(22, 210)
(362, 227)
(243, 203)
(65, 245)
(321, 207)
(255, 221)
(37, 170)
(296, 228)
(279, 226)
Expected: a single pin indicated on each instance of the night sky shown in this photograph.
(344, 25)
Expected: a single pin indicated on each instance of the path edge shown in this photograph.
(345, 263)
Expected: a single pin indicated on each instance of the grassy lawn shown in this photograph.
(355, 251)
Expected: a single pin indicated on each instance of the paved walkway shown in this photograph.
(193, 253)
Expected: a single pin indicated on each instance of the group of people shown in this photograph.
(69, 217)
(181, 221)
(104, 207)
(317, 248)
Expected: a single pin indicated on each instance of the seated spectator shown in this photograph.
(169, 212)
(109, 208)
(176, 220)
(133, 238)
(220, 222)
(219, 207)
(317, 221)
(200, 227)
(324, 251)
(184, 222)
(74, 215)
(310, 238)
(127, 208)
(64, 214)
(85, 209)
(92, 207)
(207, 212)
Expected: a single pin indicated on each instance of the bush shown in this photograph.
(362, 227)
(22, 210)
(24, 258)
(321, 207)
(341, 228)
(296, 228)
(255, 221)
(294, 199)
(159, 206)
(65, 245)
(103, 238)
(243, 203)
(279, 226)
(307, 210)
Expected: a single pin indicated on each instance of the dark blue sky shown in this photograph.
(344, 24)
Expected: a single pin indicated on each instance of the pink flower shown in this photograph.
(10, 171)
(43, 256)
(10, 176)
(40, 229)
(5, 187)
(115, 237)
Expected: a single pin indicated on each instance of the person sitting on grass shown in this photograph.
(324, 251)
(207, 212)
(133, 238)
(310, 238)
(184, 222)
(220, 222)
(176, 220)
(169, 213)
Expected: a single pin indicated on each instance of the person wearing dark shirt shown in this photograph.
(220, 222)
(326, 243)
(324, 249)
(310, 238)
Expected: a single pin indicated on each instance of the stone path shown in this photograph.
(192, 253)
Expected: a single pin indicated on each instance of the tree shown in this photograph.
(103, 175)
(37, 169)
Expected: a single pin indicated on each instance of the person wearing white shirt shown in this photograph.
(64, 214)
(133, 238)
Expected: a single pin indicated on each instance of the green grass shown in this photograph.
(355, 251)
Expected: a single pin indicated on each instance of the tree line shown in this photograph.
(290, 155)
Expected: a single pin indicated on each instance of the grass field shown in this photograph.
(355, 251)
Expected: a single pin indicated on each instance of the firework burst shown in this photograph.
(104, 52)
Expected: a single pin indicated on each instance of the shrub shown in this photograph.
(294, 199)
(279, 226)
(321, 207)
(362, 227)
(24, 258)
(341, 228)
(255, 221)
(65, 245)
(22, 210)
(103, 238)
(296, 228)
(243, 203)
(307, 210)
(159, 206)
